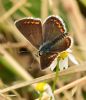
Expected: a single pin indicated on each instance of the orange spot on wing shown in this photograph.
(57, 23)
(62, 30)
(36, 22)
(28, 22)
(32, 22)
(55, 20)
(25, 22)
(59, 26)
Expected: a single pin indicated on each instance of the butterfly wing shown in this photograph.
(53, 27)
(31, 29)
(47, 59)
(54, 30)
(62, 44)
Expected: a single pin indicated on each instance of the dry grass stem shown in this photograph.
(12, 10)
(66, 93)
(17, 67)
(23, 9)
(53, 6)
(44, 9)
(70, 85)
(77, 21)
(43, 78)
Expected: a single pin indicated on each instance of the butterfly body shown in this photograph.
(49, 38)
(48, 46)
(45, 48)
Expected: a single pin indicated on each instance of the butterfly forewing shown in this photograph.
(31, 29)
(53, 27)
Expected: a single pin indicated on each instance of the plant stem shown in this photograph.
(40, 96)
(56, 76)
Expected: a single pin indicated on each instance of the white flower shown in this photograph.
(44, 87)
(49, 91)
(63, 63)
(62, 60)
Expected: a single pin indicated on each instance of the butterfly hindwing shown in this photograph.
(47, 59)
(31, 29)
(62, 44)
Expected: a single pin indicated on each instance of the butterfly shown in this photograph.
(49, 37)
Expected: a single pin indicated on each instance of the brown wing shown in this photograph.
(46, 59)
(31, 29)
(53, 27)
(62, 44)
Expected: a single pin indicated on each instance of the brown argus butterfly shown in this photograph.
(49, 38)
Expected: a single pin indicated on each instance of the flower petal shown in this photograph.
(49, 91)
(63, 64)
(73, 59)
(53, 64)
(69, 50)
